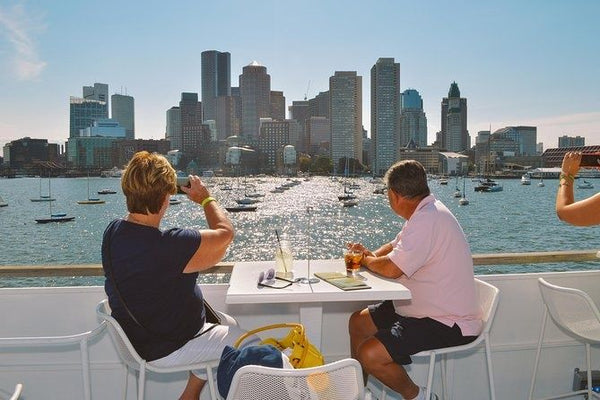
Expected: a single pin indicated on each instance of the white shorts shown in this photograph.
(206, 347)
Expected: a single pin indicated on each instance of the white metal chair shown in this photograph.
(16, 394)
(576, 314)
(80, 338)
(488, 301)
(339, 380)
(134, 361)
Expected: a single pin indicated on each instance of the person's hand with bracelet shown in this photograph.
(570, 168)
(197, 192)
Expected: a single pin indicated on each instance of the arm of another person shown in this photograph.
(217, 238)
(378, 261)
(585, 212)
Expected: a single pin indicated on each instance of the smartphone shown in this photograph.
(590, 160)
(183, 181)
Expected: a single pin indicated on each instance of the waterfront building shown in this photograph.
(255, 91)
(173, 130)
(123, 150)
(106, 127)
(454, 134)
(28, 154)
(216, 81)
(428, 156)
(274, 135)
(229, 115)
(318, 134)
(298, 111)
(524, 137)
(90, 152)
(413, 121)
(277, 100)
(385, 113)
(98, 92)
(194, 134)
(83, 113)
(553, 157)
(345, 91)
(122, 110)
(570, 141)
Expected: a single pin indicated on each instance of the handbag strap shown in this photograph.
(106, 248)
(300, 327)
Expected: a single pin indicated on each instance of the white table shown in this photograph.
(243, 289)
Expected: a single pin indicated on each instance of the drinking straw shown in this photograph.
(281, 250)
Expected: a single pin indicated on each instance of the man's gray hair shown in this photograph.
(408, 178)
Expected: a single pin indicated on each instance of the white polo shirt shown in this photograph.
(433, 253)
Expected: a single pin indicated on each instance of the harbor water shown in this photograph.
(520, 218)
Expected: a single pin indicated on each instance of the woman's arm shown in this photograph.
(585, 212)
(217, 238)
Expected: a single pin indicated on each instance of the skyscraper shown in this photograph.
(216, 80)
(413, 122)
(173, 130)
(454, 133)
(83, 111)
(345, 91)
(255, 91)
(192, 131)
(385, 113)
(122, 110)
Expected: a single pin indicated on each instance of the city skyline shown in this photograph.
(530, 63)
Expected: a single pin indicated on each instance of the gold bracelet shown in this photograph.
(567, 176)
(206, 201)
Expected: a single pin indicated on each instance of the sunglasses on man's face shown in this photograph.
(266, 279)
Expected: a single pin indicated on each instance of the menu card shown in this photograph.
(342, 281)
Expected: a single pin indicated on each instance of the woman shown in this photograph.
(151, 274)
(584, 212)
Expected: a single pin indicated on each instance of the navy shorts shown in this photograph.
(404, 336)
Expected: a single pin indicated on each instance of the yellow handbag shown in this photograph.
(303, 355)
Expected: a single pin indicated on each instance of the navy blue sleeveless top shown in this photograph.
(148, 265)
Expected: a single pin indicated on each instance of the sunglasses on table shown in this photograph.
(267, 278)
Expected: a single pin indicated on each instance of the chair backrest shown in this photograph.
(124, 347)
(340, 380)
(488, 301)
(572, 310)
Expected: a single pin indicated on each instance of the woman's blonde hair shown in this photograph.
(147, 179)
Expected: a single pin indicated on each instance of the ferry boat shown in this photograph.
(43, 329)
(525, 179)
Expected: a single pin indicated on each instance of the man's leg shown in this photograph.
(360, 327)
(376, 361)
(193, 388)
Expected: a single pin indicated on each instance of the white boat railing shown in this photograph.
(572, 256)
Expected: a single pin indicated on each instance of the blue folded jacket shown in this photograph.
(233, 359)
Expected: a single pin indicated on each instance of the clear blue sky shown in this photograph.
(517, 62)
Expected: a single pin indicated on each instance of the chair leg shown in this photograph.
(141, 382)
(430, 375)
(126, 368)
(488, 356)
(85, 368)
(444, 372)
(588, 356)
(537, 355)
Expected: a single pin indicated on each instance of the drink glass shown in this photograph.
(284, 260)
(352, 258)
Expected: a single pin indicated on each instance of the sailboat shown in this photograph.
(541, 182)
(463, 200)
(44, 197)
(90, 200)
(457, 190)
(57, 217)
(2, 202)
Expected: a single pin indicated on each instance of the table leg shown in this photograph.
(311, 316)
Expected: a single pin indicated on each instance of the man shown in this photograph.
(431, 257)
